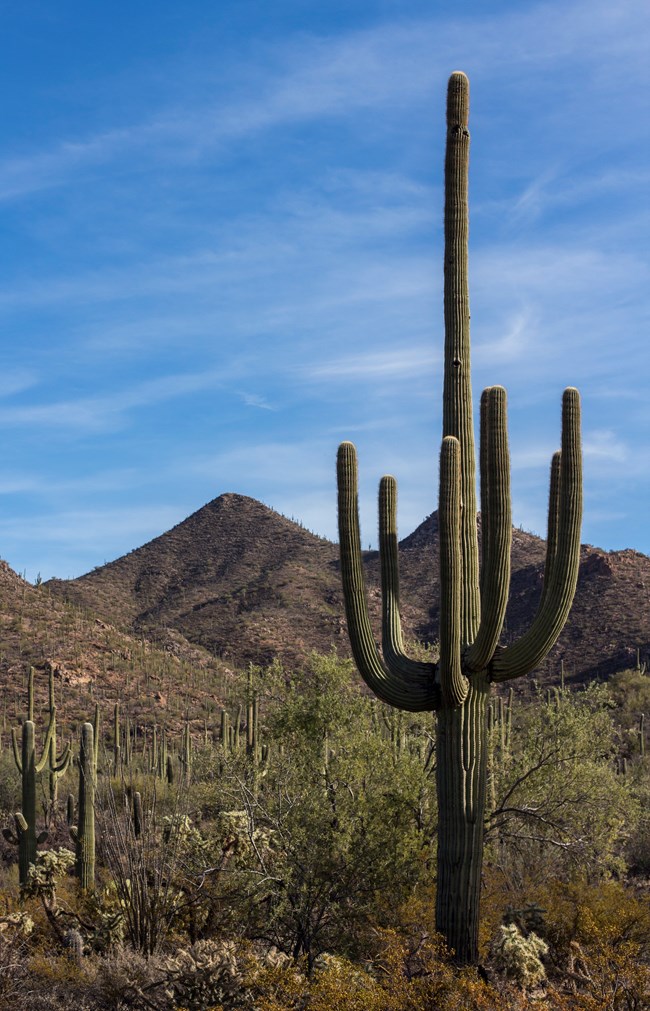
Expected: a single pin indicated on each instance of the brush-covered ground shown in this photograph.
(290, 862)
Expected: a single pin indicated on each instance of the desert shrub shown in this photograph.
(559, 808)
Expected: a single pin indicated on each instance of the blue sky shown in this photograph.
(222, 254)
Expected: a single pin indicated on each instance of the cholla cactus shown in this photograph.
(205, 975)
(518, 958)
(472, 608)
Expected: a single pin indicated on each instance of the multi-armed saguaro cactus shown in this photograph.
(471, 608)
(83, 834)
(25, 836)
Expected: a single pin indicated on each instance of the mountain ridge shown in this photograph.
(248, 584)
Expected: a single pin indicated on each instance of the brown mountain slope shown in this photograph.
(235, 577)
(94, 662)
(249, 585)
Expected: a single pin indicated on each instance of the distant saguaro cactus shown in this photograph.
(471, 609)
(25, 836)
(83, 834)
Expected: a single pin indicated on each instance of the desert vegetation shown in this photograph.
(283, 856)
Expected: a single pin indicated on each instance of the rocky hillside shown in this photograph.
(247, 584)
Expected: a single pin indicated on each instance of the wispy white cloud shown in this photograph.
(255, 400)
(605, 446)
(106, 411)
(402, 363)
(18, 380)
(310, 77)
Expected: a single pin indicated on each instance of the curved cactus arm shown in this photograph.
(20, 823)
(414, 693)
(497, 526)
(552, 528)
(452, 681)
(485, 504)
(16, 751)
(51, 730)
(61, 765)
(533, 646)
(391, 624)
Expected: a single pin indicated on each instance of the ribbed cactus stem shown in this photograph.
(496, 526)
(457, 392)
(453, 683)
(553, 610)
(137, 814)
(224, 729)
(392, 644)
(29, 769)
(57, 766)
(415, 692)
(84, 834)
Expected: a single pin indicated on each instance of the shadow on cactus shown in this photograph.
(472, 607)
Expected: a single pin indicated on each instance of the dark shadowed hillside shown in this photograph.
(248, 584)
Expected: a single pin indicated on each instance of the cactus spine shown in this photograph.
(83, 834)
(472, 609)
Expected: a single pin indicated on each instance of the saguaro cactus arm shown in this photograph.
(45, 757)
(454, 685)
(392, 645)
(415, 692)
(14, 745)
(496, 518)
(562, 563)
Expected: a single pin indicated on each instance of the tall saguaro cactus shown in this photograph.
(472, 608)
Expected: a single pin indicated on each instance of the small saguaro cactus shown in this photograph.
(137, 816)
(25, 836)
(83, 834)
(472, 608)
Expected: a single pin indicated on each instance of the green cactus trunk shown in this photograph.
(84, 834)
(27, 836)
(472, 609)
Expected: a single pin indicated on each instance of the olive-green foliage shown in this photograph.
(336, 829)
(559, 805)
